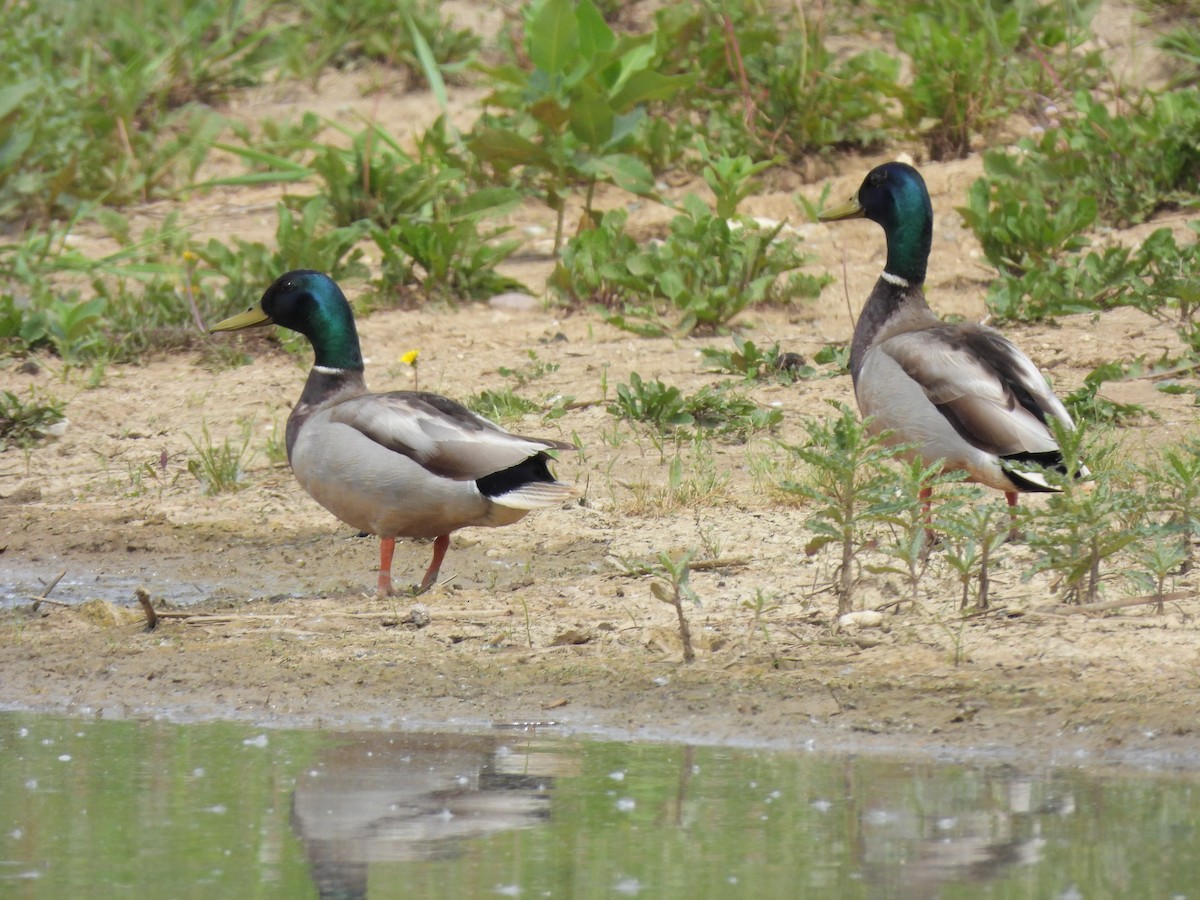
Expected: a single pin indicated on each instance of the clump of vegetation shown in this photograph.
(767, 84)
(1032, 211)
(772, 363)
(713, 410)
(850, 486)
(976, 63)
(1087, 521)
(672, 588)
(27, 422)
(705, 272)
(219, 468)
(502, 405)
(567, 116)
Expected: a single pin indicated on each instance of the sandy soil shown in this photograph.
(541, 621)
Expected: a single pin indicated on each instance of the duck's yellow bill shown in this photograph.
(251, 317)
(851, 209)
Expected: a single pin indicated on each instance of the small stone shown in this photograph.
(863, 618)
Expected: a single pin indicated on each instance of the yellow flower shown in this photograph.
(189, 256)
(410, 358)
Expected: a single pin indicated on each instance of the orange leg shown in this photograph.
(440, 544)
(1012, 497)
(387, 547)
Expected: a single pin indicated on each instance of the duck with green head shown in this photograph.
(962, 393)
(400, 464)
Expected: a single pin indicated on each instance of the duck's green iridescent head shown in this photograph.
(311, 303)
(895, 196)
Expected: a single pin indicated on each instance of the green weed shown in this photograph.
(713, 410)
(502, 406)
(1031, 211)
(974, 530)
(26, 422)
(764, 83)
(564, 119)
(850, 486)
(747, 360)
(706, 271)
(219, 467)
(672, 588)
(534, 370)
(1086, 523)
(976, 63)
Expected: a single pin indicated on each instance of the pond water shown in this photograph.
(150, 809)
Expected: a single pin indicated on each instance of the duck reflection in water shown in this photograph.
(945, 836)
(401, 797)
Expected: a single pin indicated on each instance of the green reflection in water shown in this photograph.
(120, 809)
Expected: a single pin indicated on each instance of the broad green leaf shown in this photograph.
(493, 201)
(13, 95)
(594, 34)
(591, 118)
(497, 146)
(627, 172)
(647, 85)
(553, 40)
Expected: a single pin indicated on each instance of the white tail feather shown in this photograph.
(536, 495)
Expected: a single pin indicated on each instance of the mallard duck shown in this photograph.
(963, 393)
(400, 464)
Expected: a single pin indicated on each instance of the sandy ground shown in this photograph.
(542, 621)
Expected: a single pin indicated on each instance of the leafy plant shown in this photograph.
(399, 34)
(754, 364)
(219, 467)
(731, 179)
(1086, 405)
(1086, 523)
(909, 523)
(1173, 486)
(534, 370)
(566, 118)
(766, 83)
(673, 589)
(975, 63)
(455, 259)
(587, 272)
(704, 273)
(975, 530)
(712, 409)
(24, 423)
(501, 405)
(122, 117)
(1158, 561)
(305, 238)
(1031, 211)
(850, 486)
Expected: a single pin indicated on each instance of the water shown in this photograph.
(148, 809)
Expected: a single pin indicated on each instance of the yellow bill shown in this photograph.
(251, 317)
(851, 209)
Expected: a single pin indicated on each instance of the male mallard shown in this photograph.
(963, 393)
(401, 464)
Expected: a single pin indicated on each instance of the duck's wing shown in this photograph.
(992, 394)
(442, 436)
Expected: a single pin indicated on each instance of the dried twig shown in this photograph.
(1089, 609)
(45, 598)
(695, 565)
